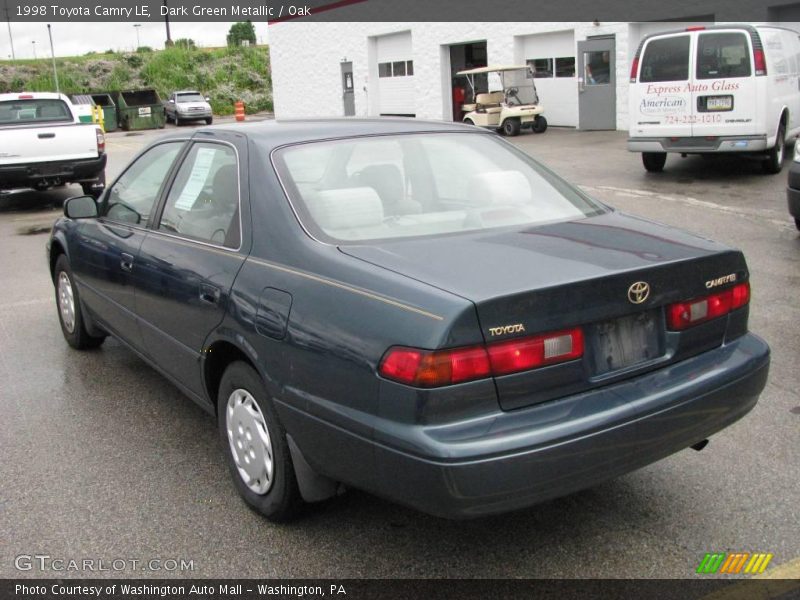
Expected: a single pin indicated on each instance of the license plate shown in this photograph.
(719, 103)
(625, 341)
(144, 111)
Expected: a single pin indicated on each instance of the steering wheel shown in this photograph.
(512, 92)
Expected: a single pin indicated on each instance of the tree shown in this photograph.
(185, 43)
(241, 31)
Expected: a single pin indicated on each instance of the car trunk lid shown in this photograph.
(572, 274)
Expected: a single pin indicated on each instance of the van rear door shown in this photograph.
(724, 85)
(660, 94)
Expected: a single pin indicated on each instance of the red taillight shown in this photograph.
(528, 353)
(760, 61)
(426, 368)
(25, 97)
(696, 28)
(682, 315)
(101, 141)
(634, 68)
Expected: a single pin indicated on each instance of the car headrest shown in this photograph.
(345, 208)
(387, 180)
(498, 187)
(225, 183)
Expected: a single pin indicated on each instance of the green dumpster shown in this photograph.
(139, 109)
(106, 102)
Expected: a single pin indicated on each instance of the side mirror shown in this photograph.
(80, 207)
(208, 99)
(171, 101)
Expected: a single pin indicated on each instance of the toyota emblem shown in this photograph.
(639, 292)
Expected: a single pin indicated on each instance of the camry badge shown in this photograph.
(639, 292)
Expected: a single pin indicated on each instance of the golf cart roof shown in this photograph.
(492, 69)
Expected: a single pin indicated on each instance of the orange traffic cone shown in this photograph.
(239, 110)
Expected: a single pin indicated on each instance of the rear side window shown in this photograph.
(723, 55)
(666, 59)
(18, 112)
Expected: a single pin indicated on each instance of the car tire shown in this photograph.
(251, 433)
(68, 303)
(469, 122)
(774, 161)
(178, 121)
(511, 127)
(654, 161)
(539, 124)
(209, 120)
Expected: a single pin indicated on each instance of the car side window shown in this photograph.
(203, 203)
(132, 198)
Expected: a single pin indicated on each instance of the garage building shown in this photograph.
(393, 68)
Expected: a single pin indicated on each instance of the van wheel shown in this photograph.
(255, 446)
(539, 124)
(774, 161)
(511, 127)
(654, 161)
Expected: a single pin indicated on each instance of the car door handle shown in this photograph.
(126, 262)
(209, 294)
(43, 136)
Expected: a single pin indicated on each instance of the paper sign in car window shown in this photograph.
(197, 179)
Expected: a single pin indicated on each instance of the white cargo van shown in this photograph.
(725, 88)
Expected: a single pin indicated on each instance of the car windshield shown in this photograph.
(17, 112)
(400, 186)
(191, 97)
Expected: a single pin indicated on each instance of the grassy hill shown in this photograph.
(224, 74)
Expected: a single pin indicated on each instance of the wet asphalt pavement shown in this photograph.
(102, 458)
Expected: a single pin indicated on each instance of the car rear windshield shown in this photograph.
(20, 112)
(666, 59)
(190, 98)
(723, 55)
(386, 187)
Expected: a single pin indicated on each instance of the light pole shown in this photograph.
(34, 49)
(136, 27)
(10, 37)
(53, 56)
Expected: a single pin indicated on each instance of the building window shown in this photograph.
(565, 66)
(542, 67)
(399, 68)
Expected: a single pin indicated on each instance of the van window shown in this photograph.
(666, 59)
(723, 55)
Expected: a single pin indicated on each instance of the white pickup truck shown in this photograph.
(43, 144)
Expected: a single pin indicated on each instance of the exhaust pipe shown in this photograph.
(700, 445)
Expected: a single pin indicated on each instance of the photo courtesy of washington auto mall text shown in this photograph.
(380, 299)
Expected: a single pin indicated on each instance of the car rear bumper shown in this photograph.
(509, 460)
(68, 171)
(688, 145)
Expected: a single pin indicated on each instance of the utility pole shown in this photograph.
(33, 42)
(10, 37)
(53, 56)
(136, 27)
(166, 21)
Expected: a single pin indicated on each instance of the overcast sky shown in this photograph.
(76, 38)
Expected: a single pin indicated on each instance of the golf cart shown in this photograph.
(511, 103)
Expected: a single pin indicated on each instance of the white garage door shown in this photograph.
(395, 74)
(553, 56)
